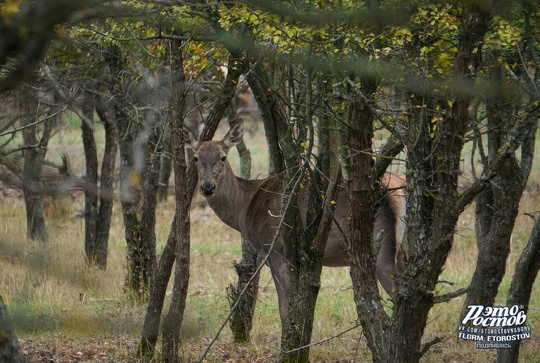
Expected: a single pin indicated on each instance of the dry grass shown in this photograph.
(78, 313)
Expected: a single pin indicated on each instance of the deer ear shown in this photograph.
(234, 136)
(192, 141)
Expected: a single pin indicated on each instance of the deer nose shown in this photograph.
(208, 189)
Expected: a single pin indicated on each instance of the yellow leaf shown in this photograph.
(134, 179)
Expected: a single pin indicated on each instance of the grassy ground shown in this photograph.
(64, 311)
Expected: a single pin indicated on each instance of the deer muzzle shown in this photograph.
(208, 189)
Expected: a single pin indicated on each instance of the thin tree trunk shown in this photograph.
(179, 234)
(98, 200)
(35, 215)
(242, 319)
(364, 195)
(91, 179)
(106, 187)
(170, 253)
(138, 186)
(166, 166)
(166, 261)
(304, 237)
(304, 282)
(34, 155)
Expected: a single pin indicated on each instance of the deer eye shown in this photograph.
(196, 159)
(223, 158)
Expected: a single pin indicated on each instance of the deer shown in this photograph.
(252, 207)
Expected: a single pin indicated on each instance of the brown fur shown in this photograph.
(253, 206)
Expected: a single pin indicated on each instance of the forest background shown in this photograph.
(445, 94)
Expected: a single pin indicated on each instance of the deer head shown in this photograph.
(211, 159)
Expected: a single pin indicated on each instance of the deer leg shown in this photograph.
(280, 275)
(385, 230)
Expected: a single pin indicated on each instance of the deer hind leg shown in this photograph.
(385, 230)
(280, 275)
(386, 274)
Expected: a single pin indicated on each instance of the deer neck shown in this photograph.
(232, 199)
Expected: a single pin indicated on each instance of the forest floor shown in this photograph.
(121, 349)
(96, 350)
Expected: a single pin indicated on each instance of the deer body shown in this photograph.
(252, 207)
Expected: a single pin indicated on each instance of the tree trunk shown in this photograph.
(433, 201)
(242, 319)
(179, 234)
(497, 205)
(364, 194)
(303, 250)
(183, 182)
(180, 229)
(304, 236)
(138, 191)
(10, 351)
(106, 187)
(183, 195)
(496, 211)
(166, 166)
(527, 268)
(98, 200)
(138, 182)
(305, 267)
(91, 179)
(35, 215)
(304, 281)
(34, 155)
(176, 241)
(433, 207)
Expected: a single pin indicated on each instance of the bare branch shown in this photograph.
(450, 296)
(319, 342)
(69, 100)
(426, 346)
(34, 123)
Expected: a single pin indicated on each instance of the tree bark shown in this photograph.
(166, 166)
(497, 206)
(106, 187)
(433, 201)
(523, 280)
(364, 193)
(241, 320)
(98, 199)
(35, 215)
(303, 249)
(10, 351)
(183, 194)
(181, 225)
(91, 179)
(138, 182)
(34, 155)
(180, 228)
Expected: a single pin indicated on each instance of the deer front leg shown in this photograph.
(280, 275)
